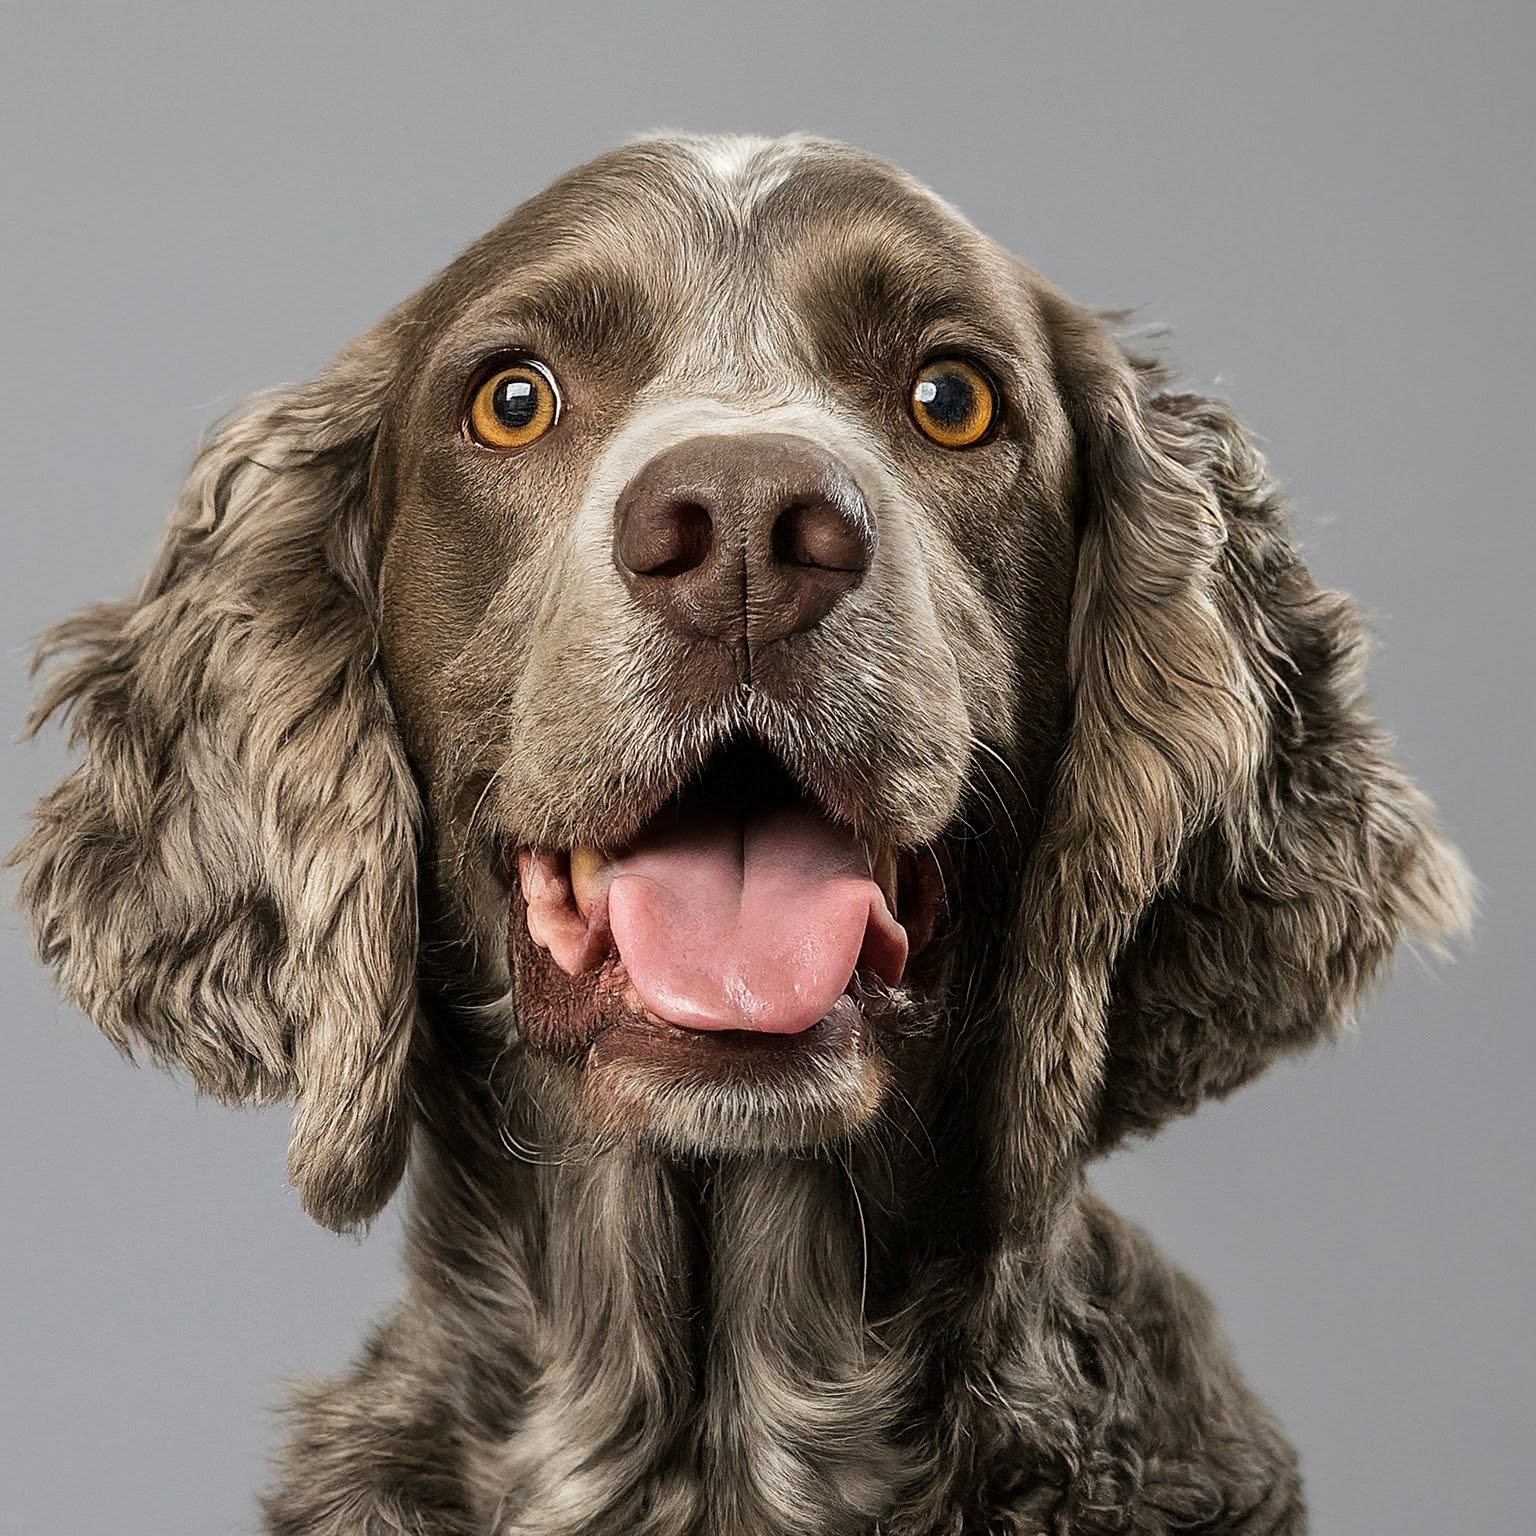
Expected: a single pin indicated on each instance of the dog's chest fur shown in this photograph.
(700, 1360)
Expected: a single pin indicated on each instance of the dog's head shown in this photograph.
(732, 624)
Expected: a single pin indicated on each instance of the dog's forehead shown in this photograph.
(729, 247)
(720, 198)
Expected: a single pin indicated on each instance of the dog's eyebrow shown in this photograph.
(583, 307)
(905, 282)
(880, 296)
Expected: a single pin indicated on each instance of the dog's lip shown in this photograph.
(575, 933)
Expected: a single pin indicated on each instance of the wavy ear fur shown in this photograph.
(228, 878)
(1231, 853)
(1283, 910)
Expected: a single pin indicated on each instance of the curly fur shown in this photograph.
(930, 1328)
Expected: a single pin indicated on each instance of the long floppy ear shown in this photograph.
(1230, 853)
(228, 878)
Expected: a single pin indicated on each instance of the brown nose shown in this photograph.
(742, 538)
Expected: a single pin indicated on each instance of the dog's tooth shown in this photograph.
(586, 864)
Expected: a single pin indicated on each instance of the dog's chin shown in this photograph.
(688, 1093)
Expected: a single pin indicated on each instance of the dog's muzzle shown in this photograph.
(742, 905)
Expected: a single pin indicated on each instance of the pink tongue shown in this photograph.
(725, 924)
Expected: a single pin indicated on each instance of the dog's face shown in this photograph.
(735, 621)
(728, 528)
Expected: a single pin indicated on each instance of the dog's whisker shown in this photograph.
(899, 1093)
(858, 1205)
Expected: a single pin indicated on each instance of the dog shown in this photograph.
(755, 738)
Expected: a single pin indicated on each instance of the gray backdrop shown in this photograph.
(1331, 204)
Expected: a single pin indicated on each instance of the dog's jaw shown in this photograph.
(734, 978)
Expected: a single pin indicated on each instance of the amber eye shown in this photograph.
(953, 402)
(514, 406)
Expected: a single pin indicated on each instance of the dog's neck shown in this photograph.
(712, 1322)
(741, 1337)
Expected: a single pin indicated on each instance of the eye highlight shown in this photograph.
(513, 406)
(953, 402)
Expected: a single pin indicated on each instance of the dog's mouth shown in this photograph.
(741, 906)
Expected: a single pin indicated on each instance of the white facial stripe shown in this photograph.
(728, 155)
(739, 168)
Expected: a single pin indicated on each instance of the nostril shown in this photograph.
(822, 536)
(665, 537)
